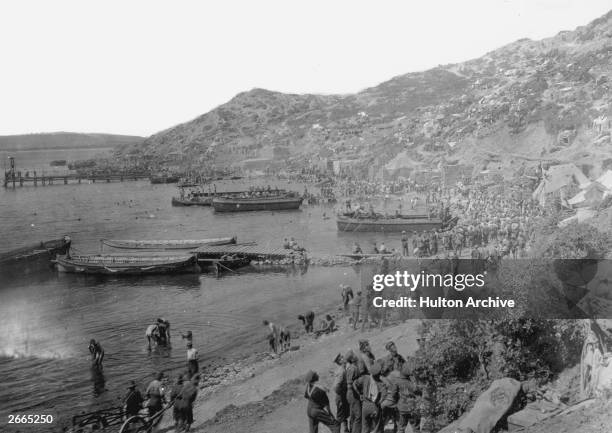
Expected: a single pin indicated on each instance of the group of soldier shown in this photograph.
(369, 393)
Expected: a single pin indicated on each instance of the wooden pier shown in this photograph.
(17, 179)
(250, 251)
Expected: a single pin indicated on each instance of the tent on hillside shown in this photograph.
(593, 193)
(558, 180)
(606, 179)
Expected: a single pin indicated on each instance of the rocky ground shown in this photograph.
(595, 418)
(264, 393)
(267, 394)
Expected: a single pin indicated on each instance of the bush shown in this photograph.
(457, 359)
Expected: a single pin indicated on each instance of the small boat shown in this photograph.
(163, 244)
(195, 201)
(224, 263)
(359, 256)
(289, 201)
(164, 179)
(408, 223)
(33, 257)
(126, 265)
(58, 163)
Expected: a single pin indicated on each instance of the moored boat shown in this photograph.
(125, 264)
(164, 179)
(167, 244)
(194, 201)
(359, 256)
(408, 223)
(33, 257)
(289, 201)
(224, 263)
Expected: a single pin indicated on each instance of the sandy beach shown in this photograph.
(268, 396)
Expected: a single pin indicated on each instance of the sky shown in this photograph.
(139, 66)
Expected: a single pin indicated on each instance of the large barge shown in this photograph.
(244, 204)
(408, 223)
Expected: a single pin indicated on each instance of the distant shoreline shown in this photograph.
(31, 149)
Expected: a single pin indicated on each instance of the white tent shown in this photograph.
(603, 184)
(557, 177)
(606, 179)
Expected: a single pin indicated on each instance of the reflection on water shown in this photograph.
(98, 380)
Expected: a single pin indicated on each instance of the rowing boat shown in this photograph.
(195, 201)
(170, 244)
(125, 265)
(388, 224)
(274, 202)
(359, 256)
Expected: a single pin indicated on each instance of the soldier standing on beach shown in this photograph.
(352, 374)
(184, 403)
(342, 404)
(193, 366)
(406, 405)
(318, 410)
(132, 402)
(355, 307)
(347, 295)
(405, 248)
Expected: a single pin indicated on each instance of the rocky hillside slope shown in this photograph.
(528, 100)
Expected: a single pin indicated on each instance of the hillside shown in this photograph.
(65, 140)
(527, 100)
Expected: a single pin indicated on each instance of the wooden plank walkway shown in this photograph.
(251, 251)
(65, 179)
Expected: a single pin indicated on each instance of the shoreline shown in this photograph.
(235, 391)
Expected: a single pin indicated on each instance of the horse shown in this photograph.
(153, 334)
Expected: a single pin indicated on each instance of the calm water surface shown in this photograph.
(49, 317)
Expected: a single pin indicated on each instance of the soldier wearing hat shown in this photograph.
(405, 248)
(393, 361)
(352, 374)
(184, 403)
(366, 357)
(407, 390)
(340, 387)
(318, 410)
(368, 387)
(355, 307)
(155, 394)
(132, 402)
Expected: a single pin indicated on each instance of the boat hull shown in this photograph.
(388, 225)
(103, 265)
(206, 201)
(361, 256)
(172, 244)
(248, 205)
(221, 265)
(164, 179)
(33, 258)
